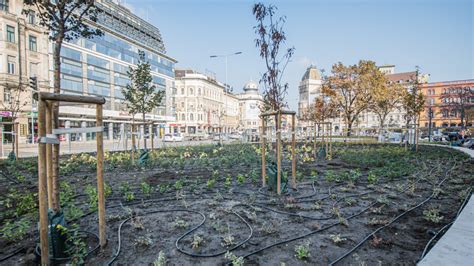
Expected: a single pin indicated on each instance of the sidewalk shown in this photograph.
(31, 150)
(456, 246)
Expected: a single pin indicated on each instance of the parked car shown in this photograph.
(234, 136)
(175, 137)
(218, 137)
(469, 144)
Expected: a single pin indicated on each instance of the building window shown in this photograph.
(33, 44)
(7, 95)
(11, 65)
(4, 5)
(182, 91)
(10, 34)
(183, 117)
(31, 17)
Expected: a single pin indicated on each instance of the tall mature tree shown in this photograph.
(385, 98)
(352, 87)
(141, 96)
(270, 39)
(65, 20)
(458, 100)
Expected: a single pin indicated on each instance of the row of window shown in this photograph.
(114, 47)
(199, 117)
(32, 40)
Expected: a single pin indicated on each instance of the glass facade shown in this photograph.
(99, 66)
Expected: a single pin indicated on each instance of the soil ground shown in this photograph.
(193, 221)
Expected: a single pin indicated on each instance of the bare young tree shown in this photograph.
(64, 20)
(270, 39)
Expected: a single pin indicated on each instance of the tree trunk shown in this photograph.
(144, 135)
(55, 124)
(349, 128)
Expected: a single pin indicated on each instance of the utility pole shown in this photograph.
(34, 89)
(225, 87)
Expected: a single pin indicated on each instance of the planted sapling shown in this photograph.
(302, 251)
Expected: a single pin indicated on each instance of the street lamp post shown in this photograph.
(226, 90)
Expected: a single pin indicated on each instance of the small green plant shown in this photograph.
(302, 251)
(228, 241)
(15, 231)
(129, 196)
(240, 179)
(210, 183)
(178, 185)
(163, 188)
(432, 215)
(146, 189)
(337, 239)
(143, 241)
(235, 261)
(78, 248)
(161, 260)
(228, 181)
(197, 241)
(350, 201)
(330, 176)
(372, 178)
(137, 223)
(92, 196)
(179, 223)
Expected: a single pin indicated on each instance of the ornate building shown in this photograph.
(309, 89)
(23, 54)
(202, 105)
(250, 102)
(447, 100)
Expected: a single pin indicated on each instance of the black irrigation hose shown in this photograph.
(218, 253)
(38, 251)
(307, 234)
(445, 227)
(12, 254)
(386, 225)
(295, 214)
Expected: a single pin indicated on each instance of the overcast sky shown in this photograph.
(437, 35)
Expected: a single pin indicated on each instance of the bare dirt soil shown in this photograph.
(195, 204)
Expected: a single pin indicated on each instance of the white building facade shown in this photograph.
(23, 54)
(250, 104)
(202, 105)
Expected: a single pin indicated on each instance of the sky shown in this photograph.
(436, 35)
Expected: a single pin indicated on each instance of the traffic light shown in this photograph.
(34, 83)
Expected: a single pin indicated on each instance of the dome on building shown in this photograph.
(312, 73)
(251, 87)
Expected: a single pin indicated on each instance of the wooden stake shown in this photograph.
(315, 138)
(133, 143)
(42, 184)
(152, 136)
(15, 126)
(100, 178)
(49, 154)
(262, 147)
(278, 127)
(293, 144)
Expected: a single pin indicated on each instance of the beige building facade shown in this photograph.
(202, 105)
(23, 54)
